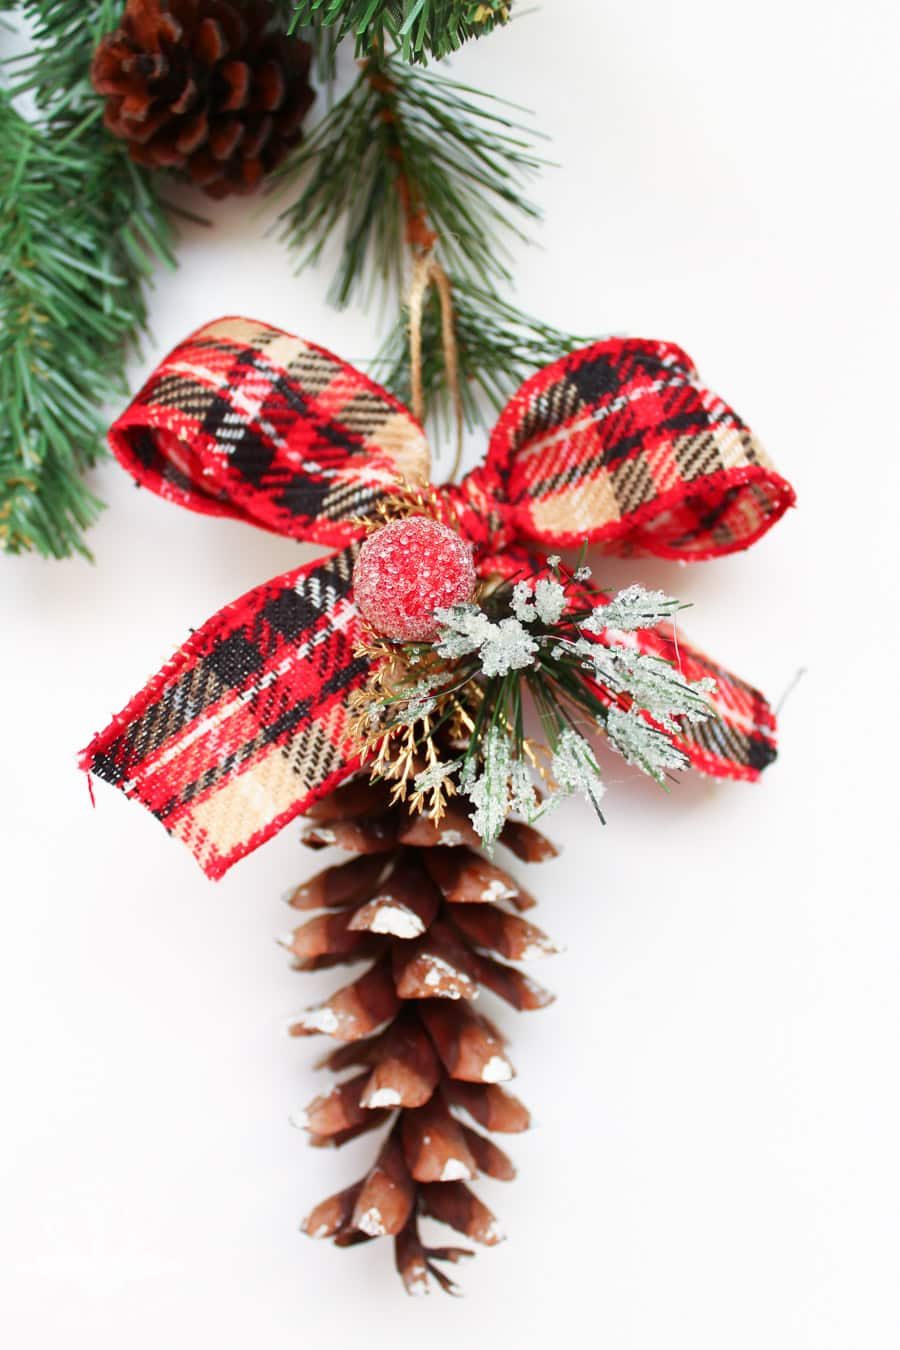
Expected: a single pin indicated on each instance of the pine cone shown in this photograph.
(428, 913)
(204, 87)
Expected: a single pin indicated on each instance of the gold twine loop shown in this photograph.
(427, 271)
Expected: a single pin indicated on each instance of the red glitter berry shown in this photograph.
(407, 570)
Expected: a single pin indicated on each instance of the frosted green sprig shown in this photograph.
(654, 684)
(501, 647)
(642, 745)
(574, 767)
(541, 636)
(436, 775)
(632, 609)
(489, 791)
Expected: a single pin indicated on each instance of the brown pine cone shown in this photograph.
(429, 914)
(204, 87)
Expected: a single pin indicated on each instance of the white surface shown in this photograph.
(717, 1083)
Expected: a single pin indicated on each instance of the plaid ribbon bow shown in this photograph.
(245, 727)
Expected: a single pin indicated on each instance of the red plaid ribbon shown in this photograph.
(246, 726)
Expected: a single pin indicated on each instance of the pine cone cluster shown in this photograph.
(204, 87)
(430, 915)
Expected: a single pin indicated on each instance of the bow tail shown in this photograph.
(246, 726)
(738, 740)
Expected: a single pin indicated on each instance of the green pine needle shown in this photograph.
(404, 161)
(81, 229)
(417, 28)
(460, 154)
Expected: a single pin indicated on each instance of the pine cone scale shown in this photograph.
(236, 77)
(388, 1194)
(193, 136)
(332, 1214)
(491, 1106)
(210, 44)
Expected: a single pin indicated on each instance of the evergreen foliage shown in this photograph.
(81, 228)
(416, 28)
(406, 152)
(405, 163)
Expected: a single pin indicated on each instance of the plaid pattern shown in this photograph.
(622, 445)
(244, 420)
(739, 740)
(246, 726)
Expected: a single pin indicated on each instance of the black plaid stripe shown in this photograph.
(598, 378)
(181, 391)
(750, 448)
(330, 662)
(697, 455)
(573, 472)
(312, 754)
(719, 738)
(633, 484)
(361, 416)
(345, 500)
(593, 385)
(366, 413)
(182, 702)
(277, 718)
(550, 409)
(313, 370)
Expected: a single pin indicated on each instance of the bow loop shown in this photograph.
(244, 420)
(247, 725)
(622, 445)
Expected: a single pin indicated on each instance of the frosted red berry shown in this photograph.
(407, 570)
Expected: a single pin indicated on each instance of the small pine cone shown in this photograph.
(204, 87)
(429, 915)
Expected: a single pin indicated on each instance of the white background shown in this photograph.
(717, 1160)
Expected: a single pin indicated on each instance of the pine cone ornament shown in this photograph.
(429, 915)
(204, 87)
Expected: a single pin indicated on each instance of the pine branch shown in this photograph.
(408, 164)
(81, 228)
(404, 157)
(416, 28)
(79, 232)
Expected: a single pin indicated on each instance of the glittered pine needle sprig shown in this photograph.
(444, 714)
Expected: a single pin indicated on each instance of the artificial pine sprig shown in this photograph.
(81, 228)
(417, 28)
(409, 164)
(574, 656)
(407, 157)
